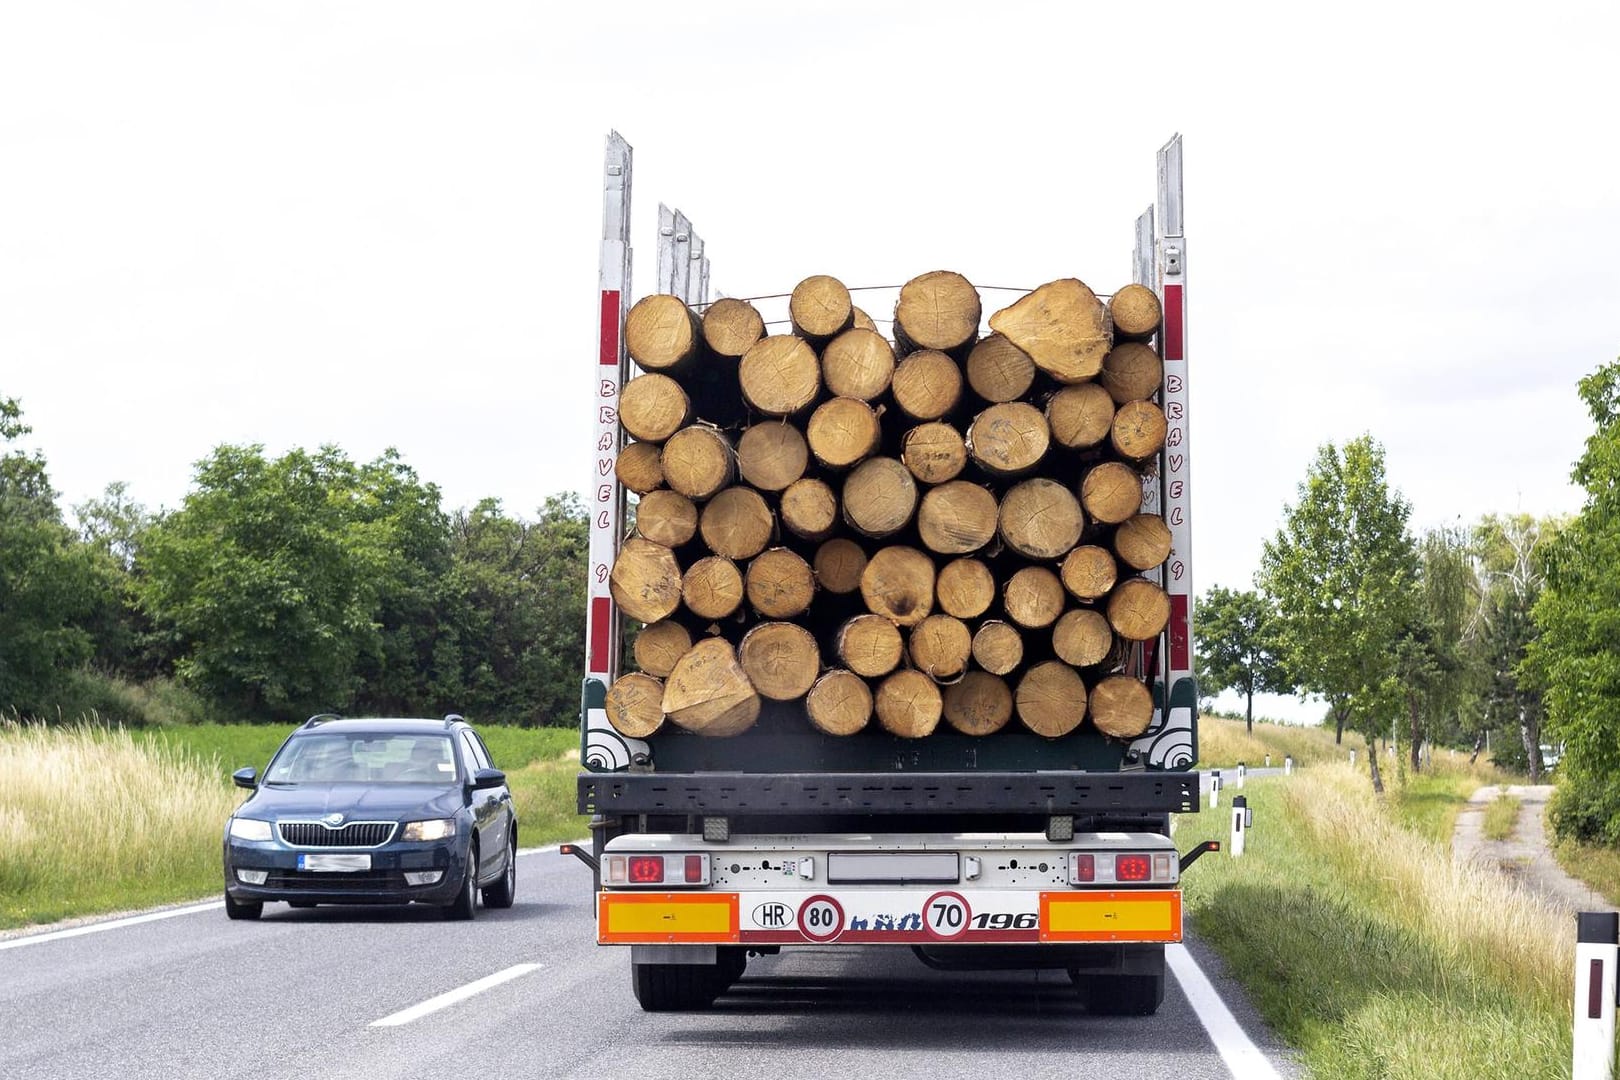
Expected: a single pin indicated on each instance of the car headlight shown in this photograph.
(249, 829)
(437, 829)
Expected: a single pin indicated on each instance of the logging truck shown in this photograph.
(912, 660)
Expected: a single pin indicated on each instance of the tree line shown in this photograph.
(1507, 628)
(284, 586)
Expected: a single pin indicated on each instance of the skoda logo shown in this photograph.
(332, 821)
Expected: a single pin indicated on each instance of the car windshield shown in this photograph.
(345, 757)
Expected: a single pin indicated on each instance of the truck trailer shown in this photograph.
(1008, 851)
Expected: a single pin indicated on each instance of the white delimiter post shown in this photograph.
(1214, 788)
(1288, 765)
(1240, 824)
(1243, 774)
(1596, 954)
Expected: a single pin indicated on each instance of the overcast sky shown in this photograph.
(376, 223)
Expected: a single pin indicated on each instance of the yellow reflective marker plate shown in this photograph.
(1122, 915)
(664, 918)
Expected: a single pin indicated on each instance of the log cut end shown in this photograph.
(965, 588)
(666, 517)
(909, 705)
(780, 584)
(698, 462)
(737, 523)
(1009, 439)
(927, 385)
(645, 581)
(880, 497)
(1089, 572)
(898, 583)
(1041, 519)
(1132, 371)
(1033, 597)
(1082, 638)
(635, 705)
(1080, 416)
(858, 363)
(870, 645)
(658, 646)
(1135, 311)
(1051, 699)
(1111, 492)
(638, 467)
(938, 310)
(653, 407)
(842, 431)
(1062, 326)
(731, 327)
(998, 647)
(934, 452)
(957, 517)
(999, 371)
(1138, 609)
(838, 565)
(780, 659)
(1138, 431)
(1142, 542)
(712, 588)
(840, 703)
(980, 704)
(661, 333)
(1121, 707)
(820, 308)
(772, 455)
(809, 508)
(709, 693)
(940, 646)
(780, 375)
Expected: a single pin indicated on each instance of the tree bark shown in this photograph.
(635, 705)
(1530, 732)
(1372, 765)
(1135, 311)
(1051, 699)
(938, 310)
(998, 647)
(940, 646)
(810, 509)
(870, 645)
(965, 588)
(667, 517)
(645, 581)
(934, 452)
(1121, 707)
(1080, 416)
(838, 565)
(1040, 519)
(1033, 598)
(772, 455)
(1062, 326)
(713, 588)
(880, 497)
(842, 431)
(999, 371)
(781, 660)
(820, 308)
(956, 517)
(859, 363)
(1111, 493)
(1009, 439)
(780, 375)
(1138, 609)
(653, 407)
(780, 584)
(1132, 371)
(698, 462)
(709, 693)
(638, 467)
(1089, 572)
(731, 327)
(926, 385)
(840, 703)
(898, 583)
(978, 704)
(661, 333)
(737, 523)
(658, 646)
(1082, 638)
(909, 705)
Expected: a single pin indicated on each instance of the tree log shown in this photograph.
(1062, 326)
(940, 646)
(1080, 416)
(979, 704)
(898, 583)
(938, 310)
(1082, 638)
(965, 588)
(780, 375)
(820, 308)
(1033, 598)
(737, 523)
(638, 467)
(998, 647)
(781, 660)
(658, 646)
(661, 333)
(1089, 572)
(858, 363)
(1135, 312)
(863, 321)
(712, 588)
(934, 452)
(1040, 519)
(1138, 430)
(1009, 439)
(1111, 493)
(840, 703)
(909, 705)
(839, 565)
(709, 693)
(1051, 699)
(842, 431)
(927, 385)
(1132, 371)
(645, 581)
(870, 645)
(998, 370)
(780, 584)
(1142, 542)
(879, 497)
(809, 508)
(731, 327)
(1121, 707)
(666, 517)
(1138, 609)
(698, 462)
(771, 455)
(635, 705)
(957, 517)
(653, 407)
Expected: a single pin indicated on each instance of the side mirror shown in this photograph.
(248, 778)
(488, 778)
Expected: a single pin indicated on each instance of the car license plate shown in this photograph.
(334, 862)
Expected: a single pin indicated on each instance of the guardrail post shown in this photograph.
(1288, 765)
(1243, 774)
(1597, 950)
(1214, 788)
(1240, 824)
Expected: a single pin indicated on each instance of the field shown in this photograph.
(96, 819)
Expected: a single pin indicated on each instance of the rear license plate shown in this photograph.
(334, 862)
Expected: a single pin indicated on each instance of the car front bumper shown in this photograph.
(383, 883)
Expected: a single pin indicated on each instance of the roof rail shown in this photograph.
(452, 718)
(320, 718)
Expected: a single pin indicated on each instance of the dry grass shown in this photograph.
(1223, 743)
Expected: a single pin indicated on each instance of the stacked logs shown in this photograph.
(941, 527)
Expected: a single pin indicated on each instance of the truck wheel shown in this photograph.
(674, 987)
(1120, 995)
(733, 961)
(247, 909)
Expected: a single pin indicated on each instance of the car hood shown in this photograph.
(356, 802)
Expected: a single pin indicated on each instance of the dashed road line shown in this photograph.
(451, 997)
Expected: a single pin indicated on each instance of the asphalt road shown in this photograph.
(298, 993)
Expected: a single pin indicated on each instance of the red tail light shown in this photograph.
(1085, 867)
(646, 869)
(694, 869)
(1133, 868)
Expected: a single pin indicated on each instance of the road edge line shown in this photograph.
(1243, 1059)
(110, 924)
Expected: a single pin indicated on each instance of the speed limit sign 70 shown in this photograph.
(946, 915)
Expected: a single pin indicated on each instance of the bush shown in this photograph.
(89, 695)
(1586, 808)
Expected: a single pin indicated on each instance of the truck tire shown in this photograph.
(732, 962)
(1120, 995)
(675, 987)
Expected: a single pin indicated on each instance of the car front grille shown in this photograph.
(356, 834)
(349, 881)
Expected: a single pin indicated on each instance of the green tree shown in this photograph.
(1430, 677)
(48, 583)
(1237, 642)
(1575, 660)
(1343, 573)
(110, 527)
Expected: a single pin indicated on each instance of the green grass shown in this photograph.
(96, 819)
(1501, 817)
(1594, 864)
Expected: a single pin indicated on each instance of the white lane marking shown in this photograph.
(460, 993)
(1243, 1059)
(111, 924)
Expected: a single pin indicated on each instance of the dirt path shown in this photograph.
(1525, 856)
